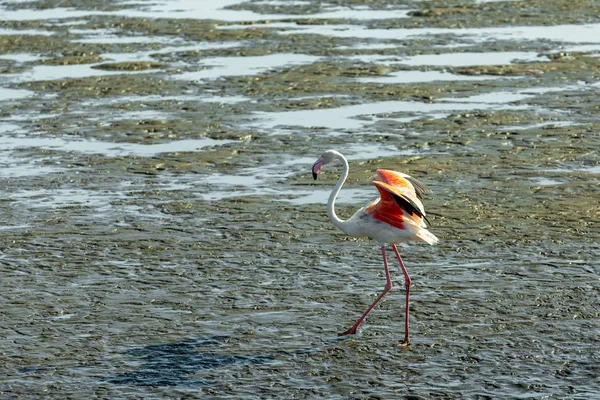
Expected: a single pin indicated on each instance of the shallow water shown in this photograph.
(162, 236)
(219, 67)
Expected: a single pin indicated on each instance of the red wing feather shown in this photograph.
(409, 185)
(393, 178)
(397, 201)
(386, 209)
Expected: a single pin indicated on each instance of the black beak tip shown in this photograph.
(314, 176)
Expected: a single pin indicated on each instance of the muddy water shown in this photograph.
(162, 236)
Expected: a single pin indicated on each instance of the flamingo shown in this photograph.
(396, 216)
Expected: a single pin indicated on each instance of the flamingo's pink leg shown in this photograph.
(407, 282)
(386, 289)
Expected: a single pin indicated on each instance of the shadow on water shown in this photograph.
(171, 364)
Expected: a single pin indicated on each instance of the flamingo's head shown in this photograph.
(326, 158)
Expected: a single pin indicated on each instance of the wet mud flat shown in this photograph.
(162, 236)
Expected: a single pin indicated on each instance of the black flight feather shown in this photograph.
(420, 187)
(409, 206)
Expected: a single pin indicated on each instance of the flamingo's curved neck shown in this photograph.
(341, 224)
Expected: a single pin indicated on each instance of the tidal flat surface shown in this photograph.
(162, 236)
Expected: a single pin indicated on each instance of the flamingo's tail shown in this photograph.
(427, 236)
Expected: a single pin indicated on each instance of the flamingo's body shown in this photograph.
(396, 216)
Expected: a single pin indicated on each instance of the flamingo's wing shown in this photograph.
(386, 208)
(419, 186)
(391, 196)
(406, 183)
(400, 189)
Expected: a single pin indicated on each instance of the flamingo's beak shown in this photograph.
(317, 167)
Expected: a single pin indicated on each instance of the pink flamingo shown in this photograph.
(396, 216)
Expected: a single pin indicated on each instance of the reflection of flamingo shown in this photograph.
(396, 216)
